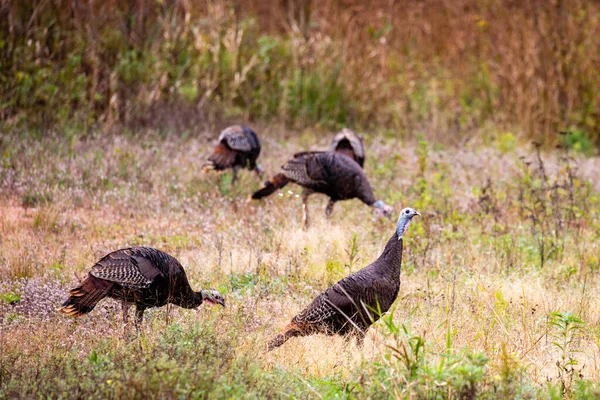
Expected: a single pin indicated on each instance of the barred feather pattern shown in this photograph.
(134, 268)
(333, 174)
(85, 297)
(238, 146)
(354, 303)
(296, 170)
(240, 138)
(144, 276)
(330, 173)
(319, 310)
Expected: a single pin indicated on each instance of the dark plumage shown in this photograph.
(143, 276)
(353, 304)
(330, 173)
(350, 144)
(238, 147)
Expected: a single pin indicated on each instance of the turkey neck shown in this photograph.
(365, 192)
(188, 298)
(390, 260)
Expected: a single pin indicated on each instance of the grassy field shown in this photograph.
(499, 277)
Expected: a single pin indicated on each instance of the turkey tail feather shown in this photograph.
(276, 182)
(220, 159)
(277, 341)
(85, 297)
(290, 331)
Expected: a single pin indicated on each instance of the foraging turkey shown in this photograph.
(143, 276)
(353, 304)
(238, 147)
(350, 144)
(333, 174)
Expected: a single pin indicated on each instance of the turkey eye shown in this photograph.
(406, 212)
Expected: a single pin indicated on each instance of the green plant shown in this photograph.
(551, 203)
(567, 330)
(352, 251)
(410, 367)
(140, 62)
(10, 297)
(471, 284)
(507, 143)
(34, 199)
(512, 380)
(579, 141)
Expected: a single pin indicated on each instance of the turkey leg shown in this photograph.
(305, 216)
(139, 317)
(329, 208)
(234, 179)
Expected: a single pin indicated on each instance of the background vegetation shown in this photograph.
(108, 110)
(451, 70)
(499, 277)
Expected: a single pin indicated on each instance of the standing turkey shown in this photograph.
(350, 144)
(333, 174)
(353, 304)
(143, 276)
(238, 147)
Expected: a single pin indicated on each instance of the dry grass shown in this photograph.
(448, 69)
(471, 277)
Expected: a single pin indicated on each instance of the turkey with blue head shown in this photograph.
(356, 302)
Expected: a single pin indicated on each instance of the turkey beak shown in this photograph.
(384, 212)
(418, 213)
(221, 302)
(388, 212)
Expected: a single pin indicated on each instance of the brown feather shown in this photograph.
(147, 268)
(347, 308)
(85, 297)
(291, 330)
(347, 152)
(221, 158)
(276, 182)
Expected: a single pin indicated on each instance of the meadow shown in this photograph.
(499, 277)
(482, 115)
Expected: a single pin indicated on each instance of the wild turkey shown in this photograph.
(143, 276)
(238, 147)
(350, 144)
(333, 174)
(353, 304)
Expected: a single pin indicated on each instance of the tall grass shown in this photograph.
(446, 69)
